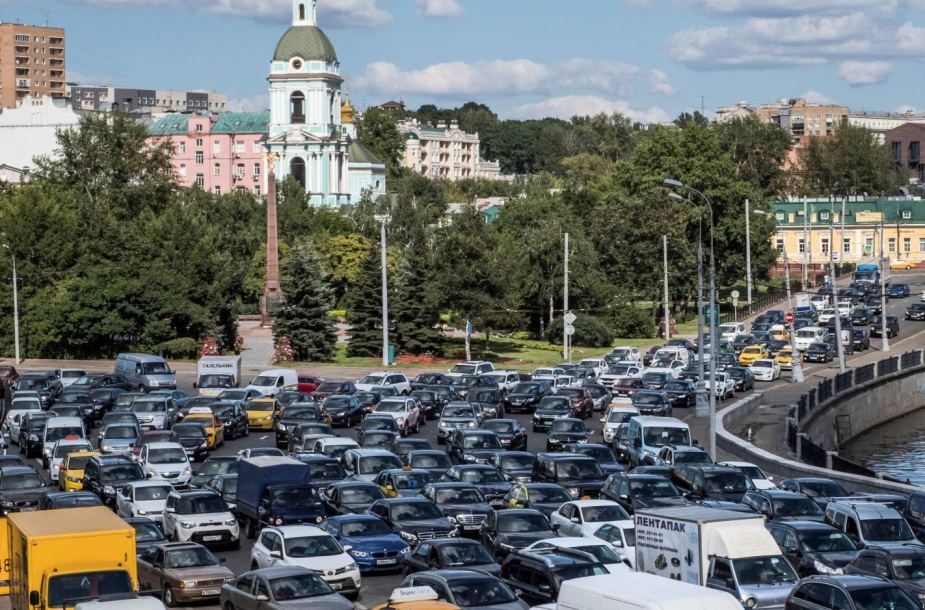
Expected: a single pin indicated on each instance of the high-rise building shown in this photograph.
(32, 62)
(144, 101)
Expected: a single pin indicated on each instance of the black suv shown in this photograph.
(21, 488)
(538, 574)
(549, 409)
(916, 311)
(812, 547)
(633, 491)
(414, 519)
(892, 326)
(564, 431)
(295, 414)
(904, 566)
(472, 446)
(726, 483)
(578, 474)
(513, 436)
(491, 400)
(848, 593)
(31, 433)
(506, 531)
(462, 502)
(860, 339)
(105, 474)
(526, 396)
(779, 505)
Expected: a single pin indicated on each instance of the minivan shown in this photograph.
(271, 382)
(870, 523)
(808, 335)
(146, 372)
(646, 435)
(60, 428)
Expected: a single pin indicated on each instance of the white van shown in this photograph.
(808, 335)
(269, 383)
(58, 429)
(728, 332)
(648, 434)
(639, 591)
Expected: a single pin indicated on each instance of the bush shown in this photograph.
(184, 348)
(633, 323)
(589, 332)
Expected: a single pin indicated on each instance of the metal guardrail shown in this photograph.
(844, 381)
(887, 366)
(911, 359)
(865, 373)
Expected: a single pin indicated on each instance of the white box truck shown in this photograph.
(635, 591)
(217, 373)
(724, 550)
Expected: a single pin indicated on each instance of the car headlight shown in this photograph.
(187, 524)
(109, 490)
(7, 503)
(188, 472)
(408, 536)
(451, 519)
(469, 458)
(359, 553)
(33, 438)
(281, 427)
(142, 512)
(824, 569)
(401, 421)
(648, 453)
(443, 424)
(204, 445)
(352, 566)
(151, 472)
(231, 521)
(573, 491)
(472, 424)
(187, 584)
(230, 578)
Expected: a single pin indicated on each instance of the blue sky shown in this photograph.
(650, 59)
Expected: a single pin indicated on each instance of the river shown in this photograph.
(897, 448)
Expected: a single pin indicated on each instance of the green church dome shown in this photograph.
(307, 42)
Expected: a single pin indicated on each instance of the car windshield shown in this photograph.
(24, 480)
(414, 511)
(430, 460)
(148, 493)
(585, 470)
(597, 514)
(360, 495)
(263, 381)
(526, 388)
(763, 364)
(727, 482)
(298, 586)
(312, 546)
(656, 377)
(201, 504)
(375, 463)
(121, 473)
(677, 386)
(379, 423)
(62, 450)
(484, 396)
(259, 405)
(391, 406)
(147, 532)
(334, 402)
(189, 431)
(424, 396)
(796, 507)
(883, 597)
(74, 397)
(327, 471)
(216, 381)
(603, 455)
(301, 413)
(458, 496)
(602, 552)
(549, 494)
(909, 568)
(83, 586)
(619, 417)
(886, 530)
(659, 437)
(232, 395)
(481, 476)
(653, 488)
(481, 441)
(77, 462)
(372, 380)
(142, 405)
(460, 555)
(580, 571)
(481, 592)
(823, 489)
(53, 435)
(123, 432)
(499, 426)
(647, 398)
(521, 522)
(555, 403)
(567, 426)
(167, 456)
(515, 462)
(826, 541)
(692, 457)
(464, 369)
(458, 411)
(763, 570)
(293, 497)
(366, 527)
(411, 480)
(189, 557)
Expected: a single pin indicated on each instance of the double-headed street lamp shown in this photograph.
(15, 303)
(714, 343)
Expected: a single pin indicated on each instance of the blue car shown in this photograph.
(375, 547)
(898, 291)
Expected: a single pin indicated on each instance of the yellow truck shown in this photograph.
(78, 554)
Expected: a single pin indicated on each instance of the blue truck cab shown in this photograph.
(276, 490)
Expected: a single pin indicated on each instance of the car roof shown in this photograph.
(807, 525)
(164, 445)
(292, 531)
(590, 503)
(450, 575)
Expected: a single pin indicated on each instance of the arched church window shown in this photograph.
(297, 170)
(301, 12)
(297, 107)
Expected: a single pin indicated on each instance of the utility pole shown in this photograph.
(884, 339)
(385, 293)
(796, 369)
(666, 305)
(566, 352)
(748, 253)
(15, 303)
(838, 338)
(702, 406)
(805, 244)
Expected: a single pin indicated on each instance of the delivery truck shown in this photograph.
(217, 373)
(80, 554)
(274, 490)
(636, 591)
(724, 550)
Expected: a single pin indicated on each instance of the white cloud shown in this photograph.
(343, 13)
(860, 73)
(658, 83)
(907, 109)
(815, 97)
(566, 107)
(254, 103)
(639, 4)
(440, 8)
(791, 7)
(499, 77)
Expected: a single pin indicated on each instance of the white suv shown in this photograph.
(398, 381)
(200, 516)
(404, 411)
(308, 547)
(471, 367)
(507, 380)
(166, 462)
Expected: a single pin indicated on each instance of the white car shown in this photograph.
(507, 380)
(203, 514)
(166, 462)
(825, 315)
(68, 376)
(622, 536)
(765, 369)
(844, 308)
(757, 475)
(384, 379)
(62, 448)
(549, 372)
(819, 301)
(334, 447)
(598, 365)
(618, 372)
(471, 367)
(18, 408)
(625, 353)
(310, 547)
(601, 550)
(728, 332)
(405, 411)
(615, 418)
(143, 499)
(725, 386)
(584, 517)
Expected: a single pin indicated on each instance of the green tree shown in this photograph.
(759, 150)
(364, 308)
(378, 131)
(849, 162)
(414, 312)
(303, 316)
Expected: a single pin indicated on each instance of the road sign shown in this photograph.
(710, 316)
(569, 330)
(734, 294)
(788, 317)
(570, 318)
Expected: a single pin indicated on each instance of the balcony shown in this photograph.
(23, 83)
(56, 52)
(56, 41)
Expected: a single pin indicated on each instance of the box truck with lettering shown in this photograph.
(724, 550)
(217, 373)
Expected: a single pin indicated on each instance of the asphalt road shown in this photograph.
(375, 589)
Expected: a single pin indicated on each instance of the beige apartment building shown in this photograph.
(445, 152)
(32, 61)
(802, 119)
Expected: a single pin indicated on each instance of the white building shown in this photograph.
(881, 122)
(445, 152)
(30, 130)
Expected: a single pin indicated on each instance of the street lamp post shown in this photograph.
(748, 255)
(383, 220)
(15, 303)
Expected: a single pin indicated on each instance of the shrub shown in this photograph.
(589, 332)
(184, 348)
(633, 323)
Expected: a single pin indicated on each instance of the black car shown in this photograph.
(377, 423)
(473, 446)
(832, 342)
(32, 433)
(692, 372)
(290, 396)
(443, 394)
(293, 417)
(463, 383)
(633, 491)
(484, 476)
(682, 393)
(819, 352)
(820, 489)
(538, 574)
(515, 466)
(743, 378)
(510, 530)
(544, 497)
(740, 342)
(904, 566)
(75, 403)
(103, 400)
(451, 553)
(490, 399)
(849, 593)
(700, 482)
(105, 474)
(427, 379)
(602, 453)
(725, 360)
(874, 303)
(916, 311)
(414, 519)
(378, 439)
(21, 488)
(434, 461)
(350, 497)
(861, 316)
(68, 499)
(213, 467)
(549, 409)
(812, 547)
(525, 397)
(329, 388)
(898, 291)
(194, 438)
(344, 409)
(652, 402)
(580, 475)
(860, 339)
(512, 435)
(429, 402)
(649, 355)
(892, 326)
(324, 469)
(462, 503)
(565, 431)
(147, 533)
(656, 380)
(403, 446)
(780, 505)
(233, 417)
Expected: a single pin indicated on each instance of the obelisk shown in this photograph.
(271, 292)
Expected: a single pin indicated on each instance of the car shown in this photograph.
(675, 455)
(462, 384)
(147, 533)
(602, 550)
(153, 436)
(117, 417)
(21, 488)
(905, 567)
(334, 447)
(583, 518)
(344, 409)
(682, 393)
(427, 379)
(456, 414)
(820, 489)
(304, 435)
(898, 291)
(451, 553)
(539, 573)
(154, 411)
(742, 376)
(279, 588)
(818, 352)
(215, 429)
(580, 475)
(262, 413)
(759, 479)
(765, 370)
(466, 589)
(252, 452)
(239, 395)
(373, 546)
(405, 412)
(627, 387)
(310, 547)
(484, 476)
(652, 402)
(213, 466)
(181, 572)
(892, 326)
(378, 439)
(200, 516)
(194, 439)
(286, 397)
(350, 497)
(233, 417)
(525, 396)
(490, 399)
(860, 339)
(551, 408)
(784, 358)
(510, 432)
(166, 462)
(505, 379)
(848, 593)
(295, 414)
(544, 497)
(473, 446)
(515, 466)
(143, 499)
(633, 491)
(471, 367)
(428, 400)
(504, 532)
(70, 477)
(709, 482)
(779, 505)
(365, 464)
(434, 461)
(52, 500)
(916, 312)
(740, 342)
(751, 353)
(402, 482)
(581, 399)
(616, 417)
(462, 503)
(565, 431)
(861, 316)
(602, 453)
(812, 547)
(307, 382)
(414, 519)
(61, 451)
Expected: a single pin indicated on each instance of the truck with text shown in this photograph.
(217, 373)
(724, 550)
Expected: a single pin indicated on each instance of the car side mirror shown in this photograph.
(575, 520)
(276, 554)
(554, 527)
(170, 509)
(222, 559)
(34, 598)
(637, 442)
(348, 548)
(624, 497)
(262, 598)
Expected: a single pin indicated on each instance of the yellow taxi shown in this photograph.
(71, 476)
(215, 428)
(903, 265)
(418, 598)
(261, 413)
(752, 353)
(785, 358)
(779, 333)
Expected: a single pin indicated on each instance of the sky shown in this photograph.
(648, 59)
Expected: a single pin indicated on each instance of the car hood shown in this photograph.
(372, 544)
(643, 502)
(524, 539)
(836, 559)
(357, 509)
(479, 508)
(550, 413)
(152, 507)
(520, 397)
(200, 573)
(24, 497)
(457, 420)
(326, 563)
(610, 467)
(334, 601)
(481, 454)
(568, 436)
(426, 525)
(518, 474)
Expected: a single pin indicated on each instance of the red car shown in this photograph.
(308, 383)
(627, 387)
(8, 374)
(582, 402)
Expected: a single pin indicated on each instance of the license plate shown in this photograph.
(386, 562)
(471, 527)
(209, 592)
(26, 509)
(211, 538)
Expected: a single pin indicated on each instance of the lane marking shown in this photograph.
(264, 437)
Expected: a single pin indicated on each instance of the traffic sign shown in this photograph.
(570, 318)
(569, 330)
(734, 294)
(788, 317)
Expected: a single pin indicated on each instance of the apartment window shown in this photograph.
(200, 180)
(922, 244)
(896, 151)
(182, 170)
(891, 244)
(256, 147)
(256, 169)
(217, 189)
(200, 157)
(914, 151)
(801, 245)
(779, 244)
(846, 245)
(216, 147)
(907, 214)
(257, 189)
(198, 142)
(181, 148)
(239, 170)
(239, 146)
(825, 245)
(217, 169)
(907, 245)
(198, 127)
(868, 246)
(824, 216)
(22, 38)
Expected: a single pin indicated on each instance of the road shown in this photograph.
(375, 589)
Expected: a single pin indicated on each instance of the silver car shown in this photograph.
(154, 411)
(119, 438)
(281, 588)
(468, 589)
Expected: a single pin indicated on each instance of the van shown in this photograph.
(271, 382)
(870, 523)
(646, 435)
(146, 372)
(58, 429)
(671, 353)
(808, 335)
(640, 591)
(728, 332)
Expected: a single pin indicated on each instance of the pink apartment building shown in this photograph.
(221, 153)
